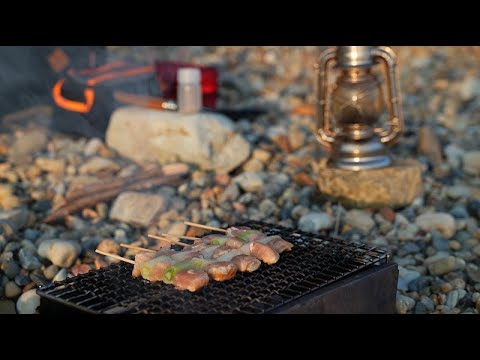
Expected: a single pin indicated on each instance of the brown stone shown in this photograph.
(80, 268)
(7, 199)
(394, 186)
(109, 246)
(388, 214)
(303, 179)
(3, 149)
(429, 145)
(304, 110)
(283, 143)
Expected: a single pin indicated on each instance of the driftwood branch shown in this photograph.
(92, 194)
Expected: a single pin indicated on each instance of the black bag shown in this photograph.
(86, 98)
(27, 73)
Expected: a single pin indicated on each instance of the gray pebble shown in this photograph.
(439, 242)
(409, 248)
(475, 297)
(7, 307)
(12, 290)
(50, 272)
(461, 294)
(61, 275)
(12, 247)
(452, 299)
(298, 211)
(441, 266)
(10, 268)
(29, 245)
(22, 280)
(31, 234)
(458, 283)
(28, 261)
(120, 235)
(406, 276)
(231, 193)
(267, 207)
(459, 212)
(37, 277)
(404, 304)
(424, 306)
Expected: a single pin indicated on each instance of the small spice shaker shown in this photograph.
(189, 90)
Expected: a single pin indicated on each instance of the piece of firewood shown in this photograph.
(93, 198)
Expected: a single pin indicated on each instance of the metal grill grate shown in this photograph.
(314, 262)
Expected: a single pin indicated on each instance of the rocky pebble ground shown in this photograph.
(435, 241)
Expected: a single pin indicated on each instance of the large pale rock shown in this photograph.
(138, 209)
(205, 139)
(394, 186)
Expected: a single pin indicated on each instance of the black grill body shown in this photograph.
(320, 275)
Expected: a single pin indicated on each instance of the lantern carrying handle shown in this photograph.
(396, 129)
(324, 133)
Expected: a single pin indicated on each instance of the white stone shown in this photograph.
(62, 253)
(28, 302)
(442, 222)
(315, 221)
(138, 209)
(97, 164)
(454, 155)
(205, 139)
(458, 191)
(249, 182)
(92, 146)
(360, 219)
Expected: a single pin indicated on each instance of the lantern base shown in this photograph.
(360, 155)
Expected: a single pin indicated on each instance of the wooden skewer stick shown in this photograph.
(182, 237)
(136, 248)
(206, 227)
(116, 257)
(166, 239)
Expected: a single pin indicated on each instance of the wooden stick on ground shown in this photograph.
(182, 237)
(105, 190)
(206, 227)
(166, 239)
(115, 257)
(136, 248)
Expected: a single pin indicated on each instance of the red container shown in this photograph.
(166, 73)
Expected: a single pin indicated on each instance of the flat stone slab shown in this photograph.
(395, 186)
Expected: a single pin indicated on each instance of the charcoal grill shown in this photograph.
(321, 275)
